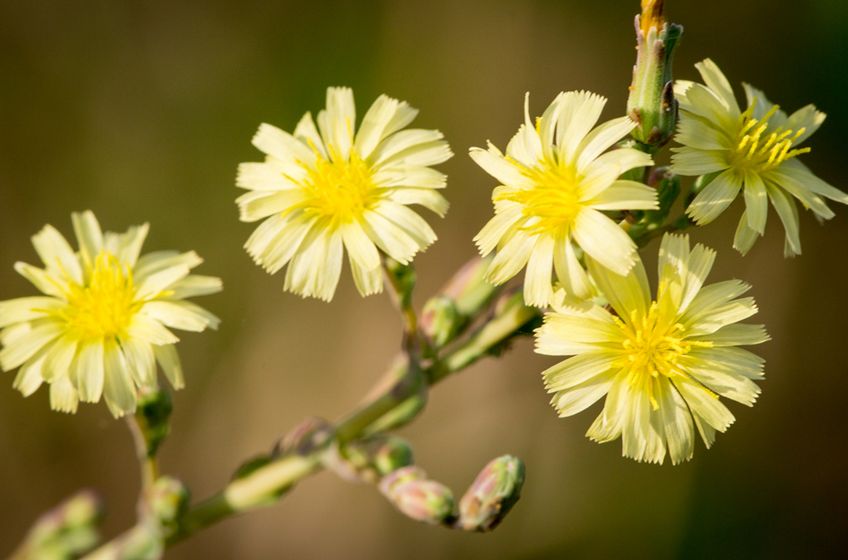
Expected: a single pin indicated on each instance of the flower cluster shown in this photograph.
(569, 192)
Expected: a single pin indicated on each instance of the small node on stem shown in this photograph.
(370, 459)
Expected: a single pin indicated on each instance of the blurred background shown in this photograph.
(141, 111)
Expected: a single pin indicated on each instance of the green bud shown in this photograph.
(469, 289)
(417, 498)
(700, 184)
(67, 531)
(169, 499)
(370, 459)
(466, 294)
(153, 414)
(393, 454)
(441, 320)
(403, 277)
(667, 185)
(651, 103)
(492, 494)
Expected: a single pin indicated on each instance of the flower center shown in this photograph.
(340, 190)
(553, 201)
(757, 151)
(105, 305)
(653, 345)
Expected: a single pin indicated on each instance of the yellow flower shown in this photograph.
(556, 182)
(102, 323)
(328, 188)
(755, 151)
(662, 364)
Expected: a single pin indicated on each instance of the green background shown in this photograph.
(141, 111)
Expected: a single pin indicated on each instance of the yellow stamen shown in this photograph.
(554, 200)
(653, 344)
(759, 153)
(338, 189)
(105, 304)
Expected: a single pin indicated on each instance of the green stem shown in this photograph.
(401, 279)
(267, 483)
(148, 465)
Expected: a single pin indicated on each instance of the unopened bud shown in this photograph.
(67, 531)
(440, 320)
(169, 499)
(417, 498)
(371, 459)
(403, 277)
(492, 494)
(651, 103)
(469, 289)
(465, 295)
(153, 414)
(393, 454)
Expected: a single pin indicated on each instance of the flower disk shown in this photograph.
(755, 151)
(330, 188)
(102, 323)
(662, 364)
(556, 181)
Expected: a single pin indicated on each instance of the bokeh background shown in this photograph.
(142, 110)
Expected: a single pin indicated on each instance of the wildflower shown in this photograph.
(662, 364)
(330, 188)
(556, 182)
(755, 151)
(102, 324)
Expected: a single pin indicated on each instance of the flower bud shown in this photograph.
(370, 459)
(67, 531)
(393, 454)
(440, 320)
(651, 103)
(169, 499)
(466, 294)
(492, 494)
(403, 277)
(153, 413)
(418, 498)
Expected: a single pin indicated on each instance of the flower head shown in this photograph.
(102, 323)
(755, 151)
(555, 184)
(330, 188)
(662, 364)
